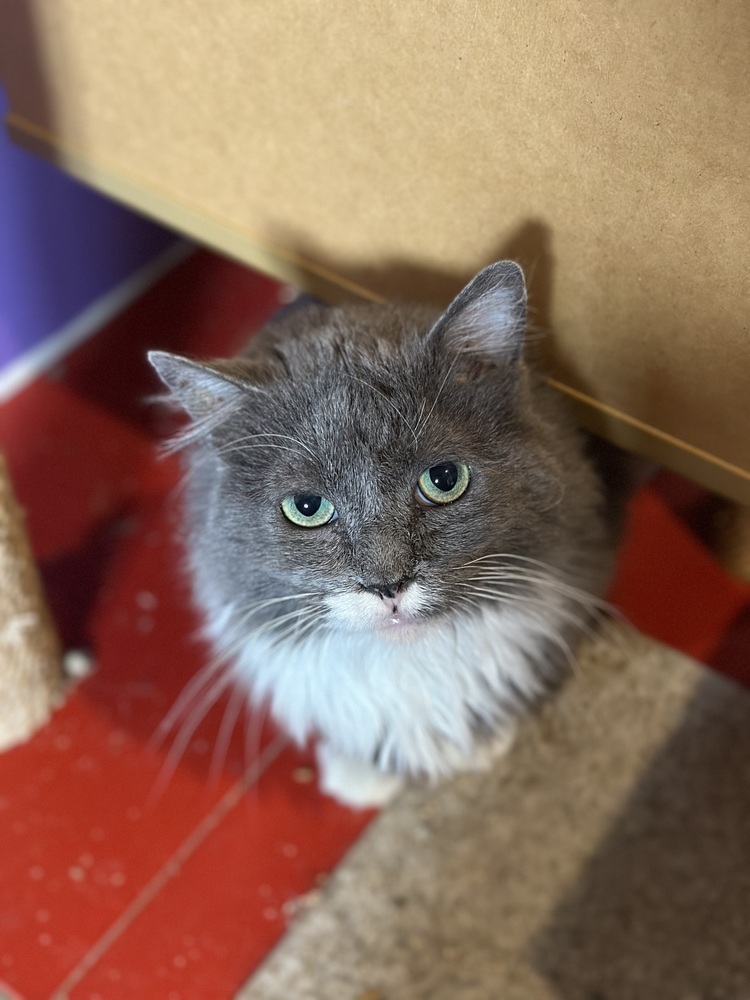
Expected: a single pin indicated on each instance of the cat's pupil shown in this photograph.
(308, 506)
(444, 476)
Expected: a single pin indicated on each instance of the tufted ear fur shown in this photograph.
(488, 317)
(200, 389)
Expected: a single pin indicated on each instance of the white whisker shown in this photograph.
(546, 628)
(189, 694)
(205, 689)
(223, 452)
(390, 402)
(524, 599)
(220, 753)
(186, 732)
(196, 430)
(549, 583)
(421, 427)
(267, 603)
(256, 437)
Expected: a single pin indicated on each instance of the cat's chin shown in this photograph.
(401, 628)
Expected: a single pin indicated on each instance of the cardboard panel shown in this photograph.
(392, 149)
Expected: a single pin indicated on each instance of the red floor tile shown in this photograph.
(271, 847)
(668, 585)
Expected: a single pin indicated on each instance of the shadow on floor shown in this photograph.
(662, 911)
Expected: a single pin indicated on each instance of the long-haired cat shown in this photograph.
(394, 531)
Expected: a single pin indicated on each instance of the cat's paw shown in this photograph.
(357, 785)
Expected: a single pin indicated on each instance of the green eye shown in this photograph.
(443, 483)
(308, 510)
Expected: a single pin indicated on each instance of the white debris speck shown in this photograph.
(146, 600)
(45, 939)
(36, 872)
(86, 763)
(179, 961)
(303, 775)
(117, 879)
(270, 913)
(77, 663)
(76, 873)
(62, 742)
(299, 904)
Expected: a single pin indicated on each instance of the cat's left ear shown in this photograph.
(200, 388)
(488, 317)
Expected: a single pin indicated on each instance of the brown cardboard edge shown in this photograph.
(633, 435)
(284, 265)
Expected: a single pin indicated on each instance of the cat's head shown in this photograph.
(374, 459)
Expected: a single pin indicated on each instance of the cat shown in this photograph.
(394, 529)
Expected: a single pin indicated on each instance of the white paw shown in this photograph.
(354, 784)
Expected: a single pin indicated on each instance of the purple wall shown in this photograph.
(61, 246)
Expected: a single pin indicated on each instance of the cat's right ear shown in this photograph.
(201, 389)
(488, 318)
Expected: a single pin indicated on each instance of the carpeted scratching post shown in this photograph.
(31, 673)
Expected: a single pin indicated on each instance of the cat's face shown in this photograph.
(366, 459)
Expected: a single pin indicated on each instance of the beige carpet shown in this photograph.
(606, 858)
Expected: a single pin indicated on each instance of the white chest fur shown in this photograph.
(410, 704)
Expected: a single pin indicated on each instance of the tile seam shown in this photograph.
(170, 869)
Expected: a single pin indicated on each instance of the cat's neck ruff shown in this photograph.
(415, 706)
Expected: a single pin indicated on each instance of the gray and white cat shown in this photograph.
(394, 531)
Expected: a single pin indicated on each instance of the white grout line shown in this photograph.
(18, 373)
(171, 869)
